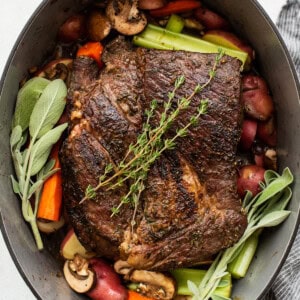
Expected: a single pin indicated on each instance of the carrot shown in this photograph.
(51, 198)
(175, 7)
(93, 50)
(136, 296)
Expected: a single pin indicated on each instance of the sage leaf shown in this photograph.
(27, 97)
(34, 187)
(219, 297)
(41, 149)
(49, 174)
(15, 185)
(275, 186)
(48, 109)
(273, 218)
(48, 167)
(193, 288)
(15, 136)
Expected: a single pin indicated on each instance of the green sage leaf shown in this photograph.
(275, 186)
(15, 136)
(41, 149)
(34, 187)
(27, 97)
(15, 185)
(218, 297)
(273, 219)
(48, 109)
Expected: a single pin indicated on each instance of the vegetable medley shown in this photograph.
(40, 121)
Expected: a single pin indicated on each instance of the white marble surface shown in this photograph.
(13, 16)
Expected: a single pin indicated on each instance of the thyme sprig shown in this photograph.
(151, 144)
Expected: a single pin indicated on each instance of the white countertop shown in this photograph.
(13, 16)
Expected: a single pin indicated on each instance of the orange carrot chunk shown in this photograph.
(51, 198)
(175, 7)
(93, 50)
(136, 296)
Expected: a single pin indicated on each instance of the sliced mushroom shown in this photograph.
(122, 267)
(78, 275)
(153, 284)
(98, 26)
(125, 16)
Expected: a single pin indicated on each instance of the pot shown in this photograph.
(40, 269)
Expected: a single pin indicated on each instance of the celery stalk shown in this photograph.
(239, 266)
(175, 24)
(178, 41)
(183, 275)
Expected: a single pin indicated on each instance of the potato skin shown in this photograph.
(249, 178)
(72, 29)
(253, 82)
(258, 104)
(108, 285)
(211, 20)
(249, 129)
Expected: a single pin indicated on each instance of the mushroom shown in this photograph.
(125, 16)
(122, 267)
(78, 275)
(98, 26)
(153, 284)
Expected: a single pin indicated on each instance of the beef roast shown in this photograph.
(189, 209)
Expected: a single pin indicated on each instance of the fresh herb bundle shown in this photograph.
(151, 144)
(40, 104)
(267, 209)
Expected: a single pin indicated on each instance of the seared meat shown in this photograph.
(190, 209)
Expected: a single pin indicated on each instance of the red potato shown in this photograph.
(249, 178)
(210, 19)
(248, 134)
(71, 246)
(266, 131)
(258, 104)
(259, 160)
(72, 29)
(253, 82)
(151, 4)
(229, 40)
(108, 285)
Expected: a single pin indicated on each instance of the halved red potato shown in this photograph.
(71, 246)
(151, 4)
(229, 40)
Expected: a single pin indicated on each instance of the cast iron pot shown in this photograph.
(40, 269)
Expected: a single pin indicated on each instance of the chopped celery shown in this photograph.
(165, 39)
(175, 24)
(183, 275)
(239, 266)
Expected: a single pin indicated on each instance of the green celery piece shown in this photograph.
(240, 265)
(140, 41)
(178, 41)
(175, 24)
(183, 275)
